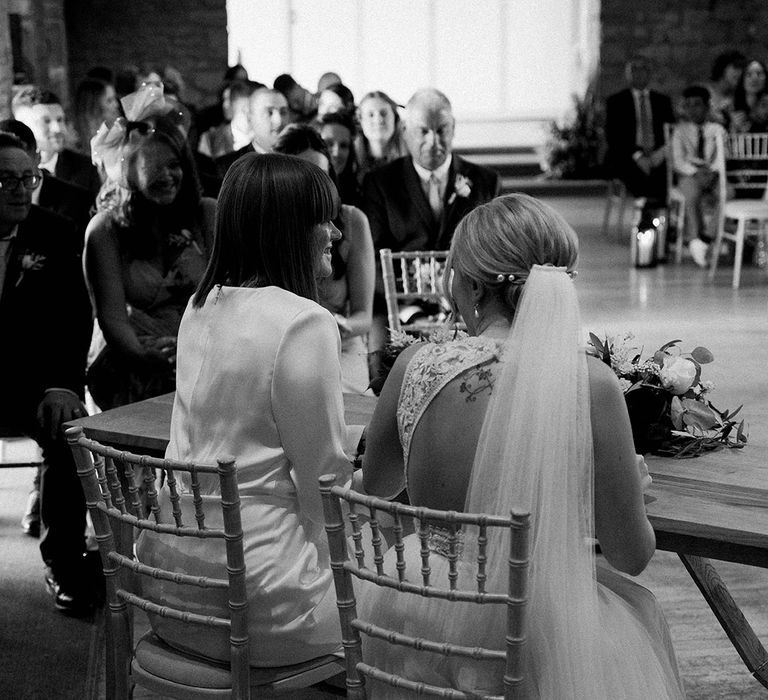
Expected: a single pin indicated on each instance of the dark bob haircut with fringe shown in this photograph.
(268, 205)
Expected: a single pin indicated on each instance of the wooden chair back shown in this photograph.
(746, 159)
(412, 276)
(121, 497)
(422, 583)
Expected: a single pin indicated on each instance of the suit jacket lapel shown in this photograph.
(416, 194)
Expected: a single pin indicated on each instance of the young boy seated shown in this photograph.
(697, 154)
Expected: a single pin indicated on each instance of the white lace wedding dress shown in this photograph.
(634, 650)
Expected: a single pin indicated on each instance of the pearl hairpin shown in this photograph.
(509, 278)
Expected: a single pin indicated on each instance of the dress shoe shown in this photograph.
(698, 250)
(69, 602)
(30, 523)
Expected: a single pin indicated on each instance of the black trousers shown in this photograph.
(62, 503)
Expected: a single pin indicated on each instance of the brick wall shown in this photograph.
(190, 35)
(682, 36)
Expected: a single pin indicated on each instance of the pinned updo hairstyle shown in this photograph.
(507, 236)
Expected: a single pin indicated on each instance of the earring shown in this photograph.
(476, 312)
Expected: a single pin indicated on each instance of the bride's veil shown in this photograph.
(535, 453)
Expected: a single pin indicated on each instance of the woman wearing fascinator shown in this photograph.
(146, 248)
(517, 416)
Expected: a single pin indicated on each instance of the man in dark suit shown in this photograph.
(634, 130)
(415, 202)
(64, 198)
(46, 321)
(267, 115)
(42, 112)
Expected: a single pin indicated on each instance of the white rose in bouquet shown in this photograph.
(677, 375)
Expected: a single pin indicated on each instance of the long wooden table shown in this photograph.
(711, 507)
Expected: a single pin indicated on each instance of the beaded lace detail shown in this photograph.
(429, 370)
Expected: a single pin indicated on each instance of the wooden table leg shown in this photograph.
(729, 615)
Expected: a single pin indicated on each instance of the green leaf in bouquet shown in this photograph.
(702, 355)
(740, 434)
(698, 415)
(596, 343)
(676, 411)
(636, 385)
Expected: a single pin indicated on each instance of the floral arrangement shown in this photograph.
(572, 150)
(399, 341)
(668, 402)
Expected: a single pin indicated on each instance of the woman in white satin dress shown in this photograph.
(348, 292)
(517, 416)
(258, 377)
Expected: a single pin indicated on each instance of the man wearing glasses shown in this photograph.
(46, 322)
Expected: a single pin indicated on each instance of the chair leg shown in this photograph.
(607, 212)
(715, 249)
(680, 233)
(622, 206)
(738, 253)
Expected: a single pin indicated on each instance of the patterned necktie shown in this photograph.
(435, 201)
(700, 144)
(646, 125)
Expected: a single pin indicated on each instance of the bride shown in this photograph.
(517, 415)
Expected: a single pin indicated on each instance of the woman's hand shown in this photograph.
(160, 351)
(645, 477)
(345, 330)
(739, 121)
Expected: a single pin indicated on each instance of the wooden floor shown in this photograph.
(666, 303)
(657, 305)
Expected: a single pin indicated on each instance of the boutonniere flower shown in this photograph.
(462, 187)
(30, 262)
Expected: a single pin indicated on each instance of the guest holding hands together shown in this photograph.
(258, 377)
(146, 249)
(348, 292)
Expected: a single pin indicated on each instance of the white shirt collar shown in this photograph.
(50, 164)
(441, 173)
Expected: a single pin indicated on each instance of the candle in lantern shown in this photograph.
(646, 245)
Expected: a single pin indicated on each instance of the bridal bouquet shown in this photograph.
(668, 402)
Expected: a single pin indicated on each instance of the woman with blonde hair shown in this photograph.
(517, 416)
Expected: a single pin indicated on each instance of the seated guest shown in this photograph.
(516, 416)
(326, 80)
(146, 249)
(415, 202)
(258, 377)
(381, 138)
(46, 325)
(42, 112)
(634, 130)
(301, 102)
(338, 130)
(725, 77)
(95, 103)
(335, 98)
(64, 198)
(267, 115)
(748, 91)
(697, 152)
(235, 132)
(758, 115)
(348, 293)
